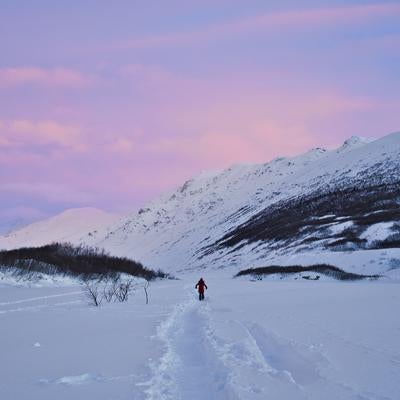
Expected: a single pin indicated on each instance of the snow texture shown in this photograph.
(247, 340)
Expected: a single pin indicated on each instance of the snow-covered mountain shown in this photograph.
(331, 202)
(12, 223)
(65, 227)
(340, 204)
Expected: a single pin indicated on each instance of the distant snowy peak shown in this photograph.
(66, 226)
(354, 142)
(10, 224)
(240, 172)
(91, 213)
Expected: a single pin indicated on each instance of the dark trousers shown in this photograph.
(201, 296)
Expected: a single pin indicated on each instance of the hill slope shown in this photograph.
(338, 207)
(64, 227)
(334, 202)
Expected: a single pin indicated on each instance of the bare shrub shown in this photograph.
(110, 289)
(123, 291)
(113, 290)
(93, 293)
(394, 263)
(146, 287)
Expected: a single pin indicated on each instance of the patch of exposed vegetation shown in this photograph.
(79, 262)
(306, 220)
(323, 269)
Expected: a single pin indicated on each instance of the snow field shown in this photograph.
(248, 340)
(257, 340)
(53, 345)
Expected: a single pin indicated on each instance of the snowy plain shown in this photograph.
(248, 340)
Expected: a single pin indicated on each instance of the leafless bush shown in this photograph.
(394, 263)
(110, 289)
(117, 290)
(123, 291)
(93, 293)
(145, 287)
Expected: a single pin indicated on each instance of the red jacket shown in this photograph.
(201, 285)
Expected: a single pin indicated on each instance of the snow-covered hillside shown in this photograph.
(322, 203)
(338, 206)
(65, 227)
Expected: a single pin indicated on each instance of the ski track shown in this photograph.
(303, 365)
(39, 298)
(200, 363)
(39, 307)
(213, 351)
(4, 306)
(208, 356)
(189, 367)
(335, 337)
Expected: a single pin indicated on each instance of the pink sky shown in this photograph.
(151, 95)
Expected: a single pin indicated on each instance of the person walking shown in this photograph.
(200, 285)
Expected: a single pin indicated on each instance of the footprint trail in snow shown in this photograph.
(221, 359)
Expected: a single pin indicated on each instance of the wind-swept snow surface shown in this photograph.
(247, 340)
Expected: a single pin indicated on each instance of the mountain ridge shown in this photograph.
(184, 228)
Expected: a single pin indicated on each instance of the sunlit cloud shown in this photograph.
(256, 129)
(290, 20)
(122, 145)
(55, 77)
(201, 87)
(19, 133)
